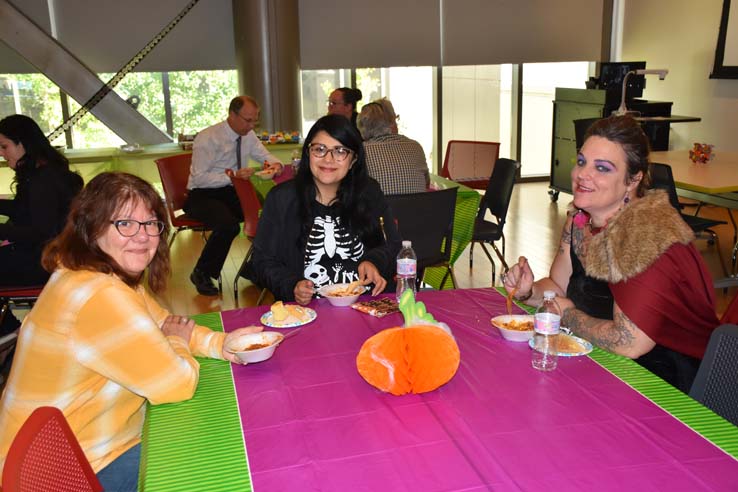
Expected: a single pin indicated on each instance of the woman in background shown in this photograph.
(331, 224)
(343, 101)
(96, 344)
(44, 187)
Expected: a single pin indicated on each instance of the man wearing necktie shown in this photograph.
(211, 198)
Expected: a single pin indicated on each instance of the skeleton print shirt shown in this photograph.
(332, 252)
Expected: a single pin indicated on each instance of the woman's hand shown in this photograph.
(368, 274)
(520, 277)
(178, 326)
(304, 290)
(273, 166)
(235, 334)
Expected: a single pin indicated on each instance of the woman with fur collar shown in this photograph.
(628, 276)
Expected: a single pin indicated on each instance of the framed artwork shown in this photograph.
(726, 53)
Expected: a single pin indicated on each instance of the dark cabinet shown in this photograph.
(583, 104)
(570, 105)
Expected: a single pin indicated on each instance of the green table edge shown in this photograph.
(224, 466)
(467, 205)
(692, 413)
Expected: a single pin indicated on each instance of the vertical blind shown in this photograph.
(354, 33)
(376, 33)
(105, 34)
(383, 33)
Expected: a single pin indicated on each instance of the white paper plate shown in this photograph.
(586, 346)
(267, 319)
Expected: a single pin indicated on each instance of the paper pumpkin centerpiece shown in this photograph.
(416, 358)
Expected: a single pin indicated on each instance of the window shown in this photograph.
(198, 99)
(409, 88)
(539, 86)
(33, 95)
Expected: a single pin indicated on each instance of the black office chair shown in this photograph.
(496, 200)
(662, 178)
(716, 383)
(427, 219)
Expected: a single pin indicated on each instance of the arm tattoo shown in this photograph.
(577, 241)
(613, 336)
(565, 239)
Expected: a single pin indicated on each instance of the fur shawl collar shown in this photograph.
(634, 238)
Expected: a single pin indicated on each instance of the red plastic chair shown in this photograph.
(21, 294)
(250, 206)
(174, 172)
(45, 455)
(469, 162)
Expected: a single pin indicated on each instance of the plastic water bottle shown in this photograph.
(546, 324)
(407, 269)
(296, 154)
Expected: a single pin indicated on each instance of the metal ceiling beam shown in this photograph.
(73, 77)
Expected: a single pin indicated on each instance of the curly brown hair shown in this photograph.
(97, 204)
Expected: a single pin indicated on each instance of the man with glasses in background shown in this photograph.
(211, 198)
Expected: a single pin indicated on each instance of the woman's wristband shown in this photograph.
(525, 297)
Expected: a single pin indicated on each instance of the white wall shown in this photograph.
(681, 35)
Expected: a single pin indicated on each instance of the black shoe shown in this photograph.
(203, 283)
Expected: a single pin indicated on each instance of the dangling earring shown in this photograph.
(626, 199)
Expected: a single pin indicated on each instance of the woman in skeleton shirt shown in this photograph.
(331, 224)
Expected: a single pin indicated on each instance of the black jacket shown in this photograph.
(40, 212)
(277, 262)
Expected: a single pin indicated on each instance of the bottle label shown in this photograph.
(406, 267)
(547, 323)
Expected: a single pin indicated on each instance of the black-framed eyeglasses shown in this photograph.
(248, 120)
(130, 227)
(339, 153)
(335, 103)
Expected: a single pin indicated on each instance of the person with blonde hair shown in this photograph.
(395, 161)
(97, 345)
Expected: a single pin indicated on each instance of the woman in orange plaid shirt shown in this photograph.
(97, 345)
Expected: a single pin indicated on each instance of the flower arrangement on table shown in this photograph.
(280, 137)
(701, 152)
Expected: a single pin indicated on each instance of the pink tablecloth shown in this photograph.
(311, 422)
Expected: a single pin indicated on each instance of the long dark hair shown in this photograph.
(351, 203)
(105, 195)
(21, 129)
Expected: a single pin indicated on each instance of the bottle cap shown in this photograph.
(407, 244)
(549, 294)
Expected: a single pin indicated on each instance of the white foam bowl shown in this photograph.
(513, 335)
(266, 174)
(340, 301)
(241, 346)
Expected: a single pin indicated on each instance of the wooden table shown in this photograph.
(306, 420)
(715, 182)
(720, 175)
